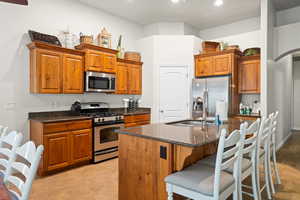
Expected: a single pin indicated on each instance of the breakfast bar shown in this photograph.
(147, 154)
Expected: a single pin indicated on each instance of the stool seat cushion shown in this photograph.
(200, 178)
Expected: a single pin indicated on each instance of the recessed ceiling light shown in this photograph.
(175, 1)
(218, 3)
(178, 1)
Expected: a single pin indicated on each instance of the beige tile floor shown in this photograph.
(100, 181)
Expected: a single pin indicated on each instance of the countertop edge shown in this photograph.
(156, 139)
(59, 120)
(66, 115)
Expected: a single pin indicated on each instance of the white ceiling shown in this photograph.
(200, 13)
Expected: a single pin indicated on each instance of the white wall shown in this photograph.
(296, 94)
(48, 17)
(286, 38)
(170, 28)
(288, 16)
(244, 40)
(165, 50)
(236, 28)
(281, 95)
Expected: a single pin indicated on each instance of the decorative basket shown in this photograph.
(134, 56)
(210, 47)
(233, 47)
(251, 51)
(86, 39)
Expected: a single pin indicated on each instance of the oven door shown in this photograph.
(106, 137)
(100, 82)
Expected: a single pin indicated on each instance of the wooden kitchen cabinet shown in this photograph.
(222, 64)
(93, 61)
(66, 143)
(122, 78)
(72, 74)
(135, 79)
(216, 64)
(48, 66)
(204, 66)
(109, 63)
(129, 77)
(57, 153)
(137, 120)
(249, 75)
(55, 70)
(99, 59)
(81, 145)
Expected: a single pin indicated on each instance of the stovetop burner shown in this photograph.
(100, 114)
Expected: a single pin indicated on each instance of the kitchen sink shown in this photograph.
(191, 123)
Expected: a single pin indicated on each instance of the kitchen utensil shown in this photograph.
(76, 107)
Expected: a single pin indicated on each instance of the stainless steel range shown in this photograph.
(105, 123)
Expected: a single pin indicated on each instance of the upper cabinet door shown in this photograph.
(122, 78)
(222, 64)
(135, 79)
(204, 66)
(72, 74)
(249, 76)
(109, 62)
(49, 67)
(94, 61)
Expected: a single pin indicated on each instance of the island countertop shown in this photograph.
(190, 136)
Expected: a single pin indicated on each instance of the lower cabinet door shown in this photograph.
(81, 145)
(57, 153)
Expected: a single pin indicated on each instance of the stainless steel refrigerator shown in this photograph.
(214, 90)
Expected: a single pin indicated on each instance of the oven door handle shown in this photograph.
(109, 126)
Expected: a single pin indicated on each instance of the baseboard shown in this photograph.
(296, 129)
(284, 141)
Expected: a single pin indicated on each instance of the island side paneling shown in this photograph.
(142, 170)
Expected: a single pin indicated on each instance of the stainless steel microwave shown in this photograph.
(100, 82)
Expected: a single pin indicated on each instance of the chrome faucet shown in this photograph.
(205, 105)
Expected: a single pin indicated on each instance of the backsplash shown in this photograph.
(248, 99)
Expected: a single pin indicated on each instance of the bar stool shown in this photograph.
(247, 162)
(8, 145)
(262, 148)
(272, 151)
(211, 183)
(27, 166)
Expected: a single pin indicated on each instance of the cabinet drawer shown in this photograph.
(67, 126)
(133, 124)
(137, 118)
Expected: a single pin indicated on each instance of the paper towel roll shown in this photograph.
(222, 110)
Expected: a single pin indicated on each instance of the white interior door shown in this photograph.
(173, 94)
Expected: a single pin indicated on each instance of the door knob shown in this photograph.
(161, 111)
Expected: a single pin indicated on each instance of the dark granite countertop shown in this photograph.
(61, 116)
(191, 136)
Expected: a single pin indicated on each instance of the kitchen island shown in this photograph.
(147, 154)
